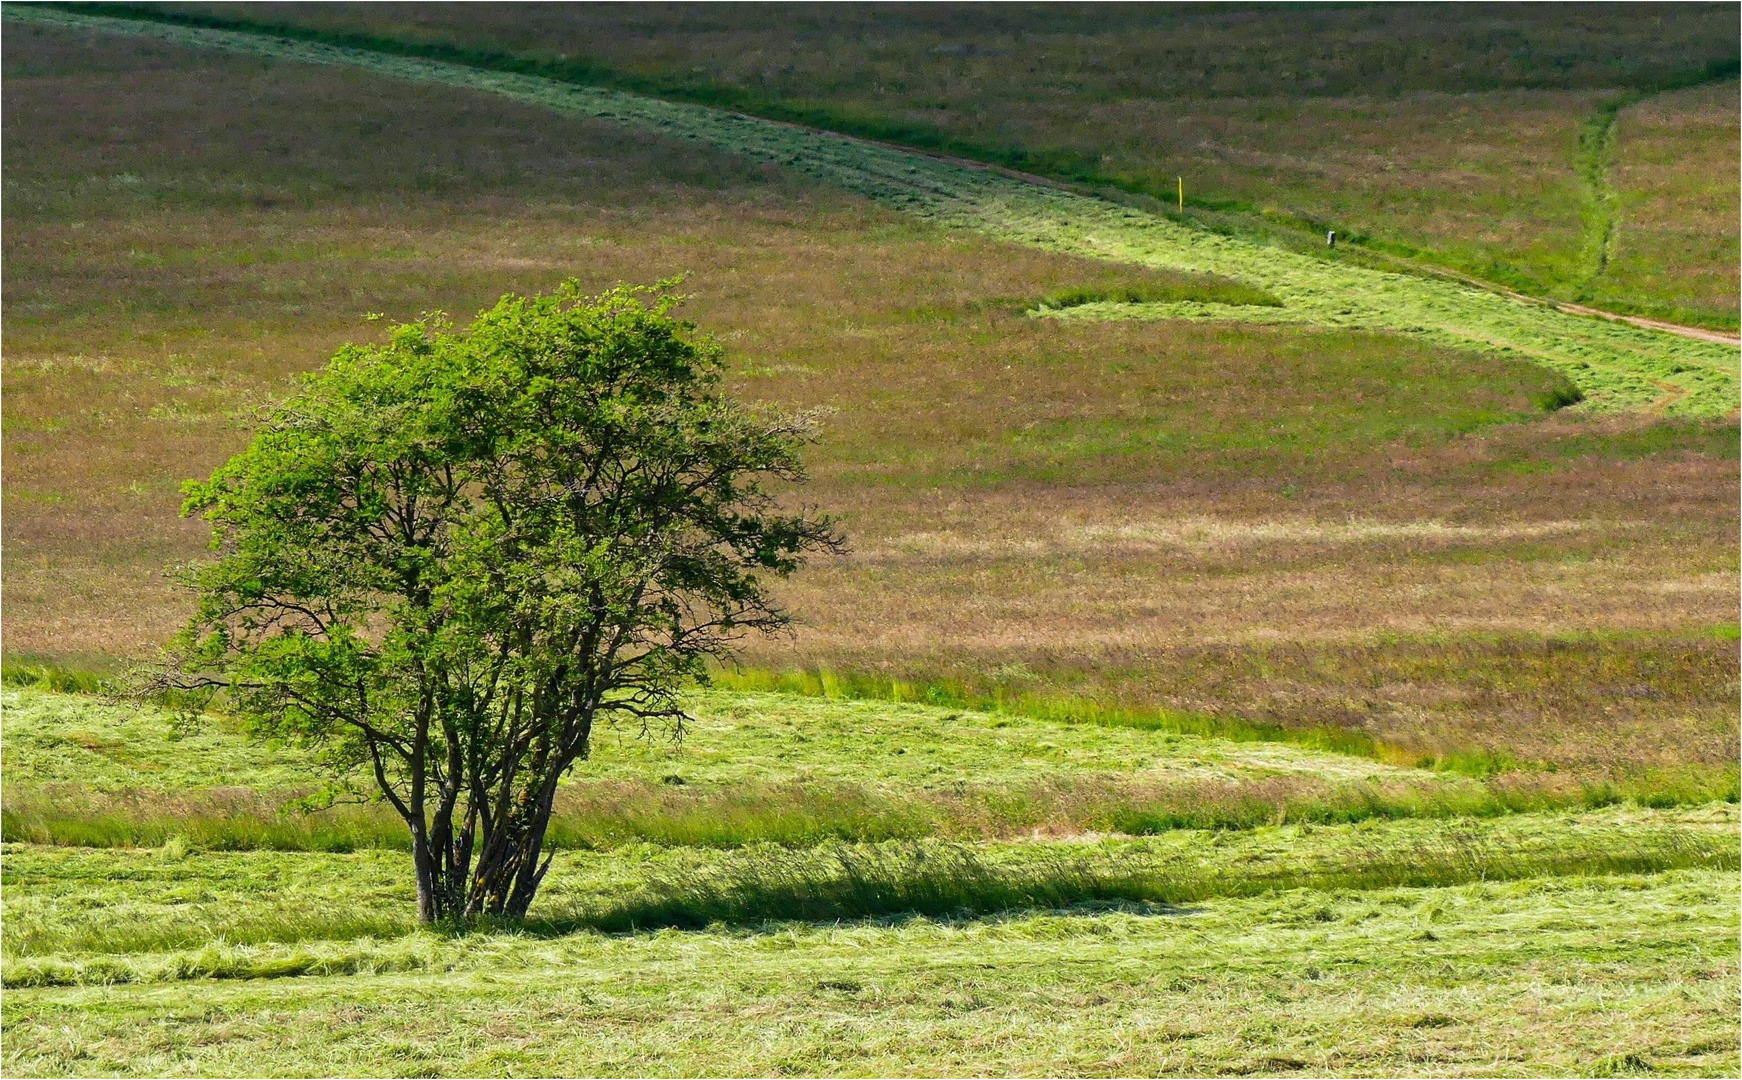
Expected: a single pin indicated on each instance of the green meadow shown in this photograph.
(1249, 658)
(1055, 948)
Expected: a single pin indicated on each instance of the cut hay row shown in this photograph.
(1617, 366)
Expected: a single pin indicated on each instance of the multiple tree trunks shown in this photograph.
(450, 557)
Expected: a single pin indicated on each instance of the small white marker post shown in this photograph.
(1182, 194)
(1331, 239)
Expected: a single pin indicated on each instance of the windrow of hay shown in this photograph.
(834, 882)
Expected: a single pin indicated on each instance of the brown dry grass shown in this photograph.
(1444, 600)
(1308, 526)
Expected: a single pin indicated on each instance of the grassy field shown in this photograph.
(1596, 975)
(1373, 533)
(1453, 139)
(1613, 365)
(771, 768)
(1292, 692)
(1673, 252)
(1369, 946)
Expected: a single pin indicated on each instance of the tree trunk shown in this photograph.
(508, 872)
(429, 890)
(530, 873)
(440, 895)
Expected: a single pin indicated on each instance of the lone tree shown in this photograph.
(449, 557)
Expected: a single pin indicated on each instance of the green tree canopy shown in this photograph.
(450, 556)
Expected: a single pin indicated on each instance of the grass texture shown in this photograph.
(959, 835)
(1210, 291)
(1514, 948)
(1673, 250)
(1301, 528)
(759, 768)
(1614, 366)
(176, 899)
(1445, 136)
(1547, 940)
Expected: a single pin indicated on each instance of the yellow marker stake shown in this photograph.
(1182, 194)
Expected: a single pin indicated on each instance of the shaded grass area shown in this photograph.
(1246, 51)
(835, 883)
(1205, 291)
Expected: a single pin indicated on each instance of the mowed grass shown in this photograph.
(1094, 547)
(1316, 526)
(1519, 980)
(1450, 137)
(82, 916)
(769, 768)
(1339, 944)
(1171, 955)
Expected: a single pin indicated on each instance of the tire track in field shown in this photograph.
(1596, 157)
(1617, 365)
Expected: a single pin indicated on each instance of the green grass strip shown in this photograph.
(1615, 365)
(51, 676)
(1052, 707)
(801, 813)
(759, 887)
(867, 881)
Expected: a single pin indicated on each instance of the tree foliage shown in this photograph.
(450, 556)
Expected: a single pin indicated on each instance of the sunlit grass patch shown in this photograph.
(1203, 291)
(606, 815)
(63, 905)
(47, 675)
(851, 763)
(1413, 981)
(856, 767)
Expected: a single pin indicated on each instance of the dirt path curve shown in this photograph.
(1696, 332)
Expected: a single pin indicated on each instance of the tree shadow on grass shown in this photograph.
(855, 883)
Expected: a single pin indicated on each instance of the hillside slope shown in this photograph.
(1454, 136)
(1615, 366)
